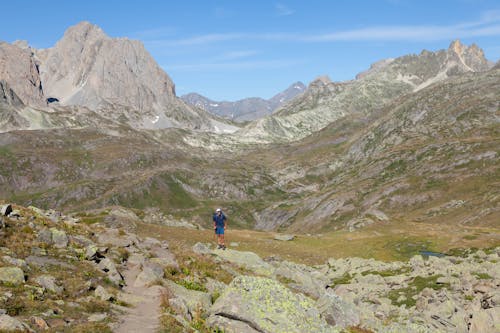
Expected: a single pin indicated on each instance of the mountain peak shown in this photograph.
(84, 31)
(323, 80)
(457, 47)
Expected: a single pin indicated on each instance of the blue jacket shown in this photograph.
(219, 219)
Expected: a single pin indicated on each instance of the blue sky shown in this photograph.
(227, 50)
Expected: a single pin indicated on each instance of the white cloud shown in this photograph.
(234, 66)
(487, 25)
(283, 10)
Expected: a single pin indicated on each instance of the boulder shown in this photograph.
(247, 260)
(193, 299)
(97, 317)
(10, 324)
(485, 321)
(116, 238)
(108, 266)
(59, 238)
(49, 283)
(302, 277)
(151, 273)
(264, 305)
(45, 236)
(39, 323)
(103, 294)
(337, 311)
(201, 248)
(11, 275)
(21, 263)
(284, 237)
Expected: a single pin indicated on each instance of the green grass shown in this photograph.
(418, 284)
(483, 276)
(386, 273)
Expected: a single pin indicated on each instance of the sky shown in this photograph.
(228, 50)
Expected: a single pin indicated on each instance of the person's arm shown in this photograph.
(225, 222)
(215, 223)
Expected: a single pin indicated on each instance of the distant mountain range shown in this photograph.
(245, 109)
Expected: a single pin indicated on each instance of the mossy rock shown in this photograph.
(266, 306)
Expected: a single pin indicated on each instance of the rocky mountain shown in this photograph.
(19, 68)
(324, 101)
(114, 77)
(246, 109)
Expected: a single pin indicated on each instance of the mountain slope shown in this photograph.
(248, 108)
(429, 156)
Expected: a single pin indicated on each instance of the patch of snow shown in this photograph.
(281, 100)
(155, 120)
(214, 105)
(297, 87)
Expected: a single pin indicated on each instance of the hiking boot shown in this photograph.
(219, 247)
(223, 247)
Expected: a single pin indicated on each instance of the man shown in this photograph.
(219, 227)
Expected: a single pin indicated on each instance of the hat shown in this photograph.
(217, 210)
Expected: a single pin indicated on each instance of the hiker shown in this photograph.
(219, 227)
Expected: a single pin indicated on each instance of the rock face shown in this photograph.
(264, 305)
(20, 69)
(88, 68)
(248, 108)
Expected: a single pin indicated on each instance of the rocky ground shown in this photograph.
(61, 273)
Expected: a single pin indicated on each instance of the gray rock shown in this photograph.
(5, 210)
(59, 238)
(40, 261)
(8, 324)
(163, 257)
(248, 260)
(97, 317)
(108, 266)
(266, 306)
(201, 248)
(11, 275)
(49, 283)
(485, 321)
(151, 273)
(116, 238)
(194, 300)
(103, 294)
(15, 262)
(45, 236)
(337, 311)
(283, 237)
(302, 277)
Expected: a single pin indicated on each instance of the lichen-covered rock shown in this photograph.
(49, 283)
(193, 299)
(247, 260)
(59, 238)
(11, 275)
(10, 324)
(337, 311)
(266, 306)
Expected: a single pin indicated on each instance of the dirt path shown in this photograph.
(143, 314)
